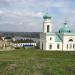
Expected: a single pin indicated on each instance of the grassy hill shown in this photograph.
(37, 62)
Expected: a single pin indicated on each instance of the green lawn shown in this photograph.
(37, 62)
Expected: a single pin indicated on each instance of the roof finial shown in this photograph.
(65, 21)
(47, 10)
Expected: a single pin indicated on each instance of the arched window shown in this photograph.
(59, 31)
(58, 46)
(70, 40)
(48, 28)
(50, 38)
(73, 46)
(67, 46)
(50, 46)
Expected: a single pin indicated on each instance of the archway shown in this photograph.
(48, 28)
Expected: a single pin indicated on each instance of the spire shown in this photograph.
(66, 21)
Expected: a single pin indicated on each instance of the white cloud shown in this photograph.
(21, 13)
(20, 19)
(1, 12)
(28, 13)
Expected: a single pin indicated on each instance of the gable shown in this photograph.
(57, 39)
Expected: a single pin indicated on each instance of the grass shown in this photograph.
(37, 62)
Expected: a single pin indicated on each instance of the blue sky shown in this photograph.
(26, 15)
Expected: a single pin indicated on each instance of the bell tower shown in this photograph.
(47, 27)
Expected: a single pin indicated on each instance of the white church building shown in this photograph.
(63, 40)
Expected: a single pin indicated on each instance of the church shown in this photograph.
(63, 40)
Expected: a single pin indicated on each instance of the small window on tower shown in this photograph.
(48, 28)
(70, 46)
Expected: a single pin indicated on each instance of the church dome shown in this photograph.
(47, 16)
(64, 29)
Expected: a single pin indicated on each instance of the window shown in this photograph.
(70, 46)
(70, 40)
(48, 28)
(69, 31)
(50, 46)
(58, 46)
(73, 46)
(67, 46)
(50, 38)
(59, 31)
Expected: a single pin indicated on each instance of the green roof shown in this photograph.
(57, 39)
(64, 29)
(47, 16)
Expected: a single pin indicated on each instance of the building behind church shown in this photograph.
(63, 40)
(6, 42)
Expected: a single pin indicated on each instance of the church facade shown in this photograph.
(63, 40)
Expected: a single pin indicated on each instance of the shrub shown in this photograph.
(17, 47)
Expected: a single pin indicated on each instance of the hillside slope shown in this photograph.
(37, 62)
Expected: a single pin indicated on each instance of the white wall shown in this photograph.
(66, 41)
(53, 43)
(43, 41)
(45, 27)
